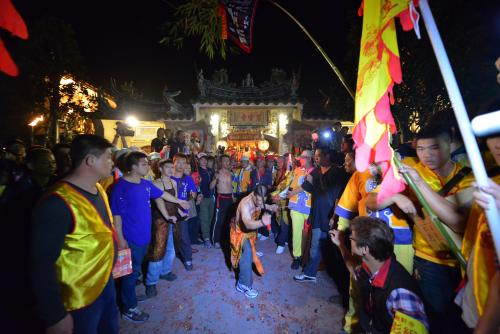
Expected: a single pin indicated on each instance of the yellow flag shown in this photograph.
(379, 68)
(404, 324)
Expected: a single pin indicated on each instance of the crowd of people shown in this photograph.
(77, 205)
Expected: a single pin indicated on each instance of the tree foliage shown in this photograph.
(50, 54)
(199, 19)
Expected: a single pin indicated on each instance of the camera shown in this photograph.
(123, 129)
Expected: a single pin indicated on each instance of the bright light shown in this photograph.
(326, 135)
(263, 145)
(36, 121)
(132, 121)
(214, 118)
(66, 81)
(214, 123)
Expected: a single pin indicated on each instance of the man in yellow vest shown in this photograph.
(480, 296)
(74, 246)
(436, 270)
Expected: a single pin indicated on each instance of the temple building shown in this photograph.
(239, 116)
(246, 116)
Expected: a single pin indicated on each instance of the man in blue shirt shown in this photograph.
(207, 205)
(131, 207)
(186, 189)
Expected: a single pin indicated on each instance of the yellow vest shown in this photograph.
(478, 245)
(422, 247)
(241, 180)
(86, 260)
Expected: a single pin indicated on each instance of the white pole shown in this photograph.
(462, 118)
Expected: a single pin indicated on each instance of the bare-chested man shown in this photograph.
(244, 234)
(224, 201)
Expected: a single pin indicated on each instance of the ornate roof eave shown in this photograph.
(120, 115)
(212, 103)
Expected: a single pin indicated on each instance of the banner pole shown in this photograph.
(434, 218)
(320, 49)
(463, 121)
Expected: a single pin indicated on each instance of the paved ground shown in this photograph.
(205, 301)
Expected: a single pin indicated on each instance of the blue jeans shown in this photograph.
(129, 299)
(438, 283)
(99, 317)
(194, 229)
(164, 266)
(245, 275)
(185, 246)
(318, 237)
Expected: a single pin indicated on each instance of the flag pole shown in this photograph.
(463, 121)
(432, 215)
(320, 49)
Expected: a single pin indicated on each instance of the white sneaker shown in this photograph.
(259, 254)
(280, 250)
(263, 237)
(248, 291)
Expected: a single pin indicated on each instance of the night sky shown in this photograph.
(120, 39)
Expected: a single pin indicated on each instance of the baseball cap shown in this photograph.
(245, 158)
(201, 155)
(154, 156)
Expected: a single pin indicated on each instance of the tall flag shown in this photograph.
(240, 17)
(379, 68)
(11, 21)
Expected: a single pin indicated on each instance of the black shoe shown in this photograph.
(188, 265)
(135, 315)
(151, 291)
(169, 277)
(296, 263)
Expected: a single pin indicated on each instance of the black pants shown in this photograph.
(283, 234)
(224, 205)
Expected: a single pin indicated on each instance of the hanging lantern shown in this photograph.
(263, 145)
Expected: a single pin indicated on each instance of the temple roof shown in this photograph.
(278, 90)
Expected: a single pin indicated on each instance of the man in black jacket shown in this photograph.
(326, 183)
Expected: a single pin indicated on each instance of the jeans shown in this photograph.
(283, 234)
(185, 246)
(194, 229)
(438, 283)
(164, 266)
(206, 213)
(245, 275)
(99, 317)
(129, 299)
(318, 237)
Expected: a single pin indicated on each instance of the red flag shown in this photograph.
(221, 11)
(7, 65)
(11, 21)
